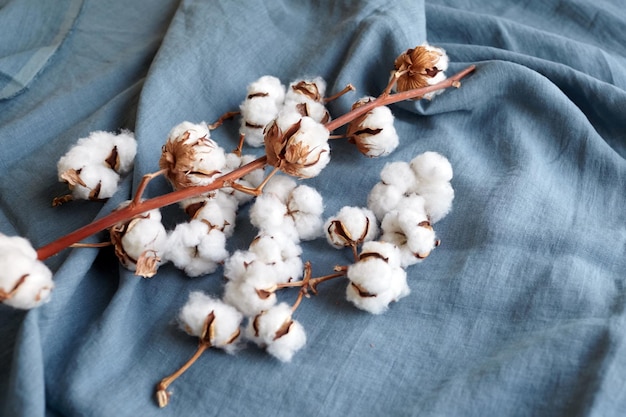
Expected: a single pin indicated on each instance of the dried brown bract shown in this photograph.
(419, 67)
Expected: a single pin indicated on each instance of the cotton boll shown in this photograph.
(141, 239)
(351, 226)
(190, 156)
(281, 186)
(256, 112)
(414, 241)
(306, 107)
(276, 330)
(267, 86)
(116, 152)
(196, 249)
(281, 253)
(400, 175)
(224, 325)
(434, 173)
(253, 292)
(300, 149)
(373, 133)
(25, 282)
(126, 151)
(438, 199)
(268, 212)
(431, 167)
(269, 215)
(311, 89)
(92, 182)
(236, 265)
(306, 205)
(287, 345)
(376, 280)
(218, 214)
(383, 198)
(388, 251)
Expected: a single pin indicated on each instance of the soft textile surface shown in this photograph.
(519, 312)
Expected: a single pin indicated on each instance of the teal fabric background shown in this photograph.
(519, 312)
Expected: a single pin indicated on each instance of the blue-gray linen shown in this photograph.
(519, 312)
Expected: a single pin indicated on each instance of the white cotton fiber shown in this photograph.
(383, 198)
(126, 150)
(400, 175)
(431, 167)
(358, 223)
(375, 134)
(256, 113)
(376, 280)
(218, 215)
(225, 325)
(269, 215)
(287, 345)
(196, 249)
(25, 281)
(144, 235)
(268, 85)
(281, 186)
(275, 330)
(196, 131)
(235, 266)
(306, 206)
(100, 183)
(252, 293)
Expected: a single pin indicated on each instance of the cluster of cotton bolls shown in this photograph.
(285, 214)
(189, 157)
(25, 282)
(268, 99)
(395, 230)
(93, 166)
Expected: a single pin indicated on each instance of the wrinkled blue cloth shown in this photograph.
(519, 312)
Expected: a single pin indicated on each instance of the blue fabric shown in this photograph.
(519, 312)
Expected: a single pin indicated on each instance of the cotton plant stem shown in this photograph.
(161, 389)
(346, 89)
(132, 210)
(386, 99)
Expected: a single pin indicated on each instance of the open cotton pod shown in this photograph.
(190, 157)
(25, 282)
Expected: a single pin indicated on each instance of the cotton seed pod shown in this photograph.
(305, 97)
(216, 323)
(350, 226)
(25, 282)
(263, 101)
(139, 243)
(114, 151)
(376, 279)
(190, 157)
(196, 248)
(302, 150)
(373, 133)
(277, 331)
(91, 182)
(305, 206)
(421, 66)
(411, 232)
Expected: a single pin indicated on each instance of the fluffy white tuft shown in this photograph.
(225, 325)
(351, 225)
(25, 281)
(196, 249)
(306, 206)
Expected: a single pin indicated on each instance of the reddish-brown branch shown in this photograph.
(132, 210)
(137, 206)
(386, 99)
